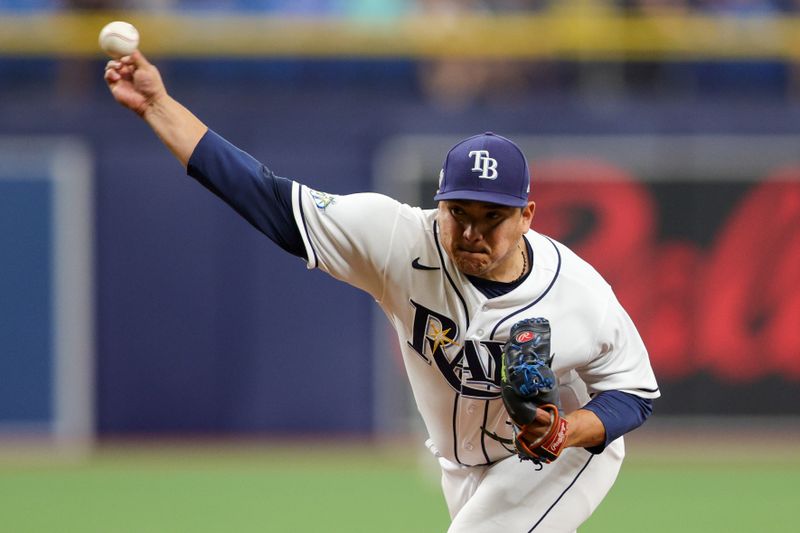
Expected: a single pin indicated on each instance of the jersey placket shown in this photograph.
(472, 411)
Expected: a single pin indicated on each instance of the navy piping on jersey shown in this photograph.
(561, 495)
(305, 226)
(483, 434)
(649, 390)
(466, 314)
(537, 300)
(446, 273)
(455, 430)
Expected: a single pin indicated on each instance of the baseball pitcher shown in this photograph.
(525, 368)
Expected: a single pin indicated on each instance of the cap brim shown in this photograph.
(483, 196)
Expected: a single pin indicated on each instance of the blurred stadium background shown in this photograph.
(163, 367)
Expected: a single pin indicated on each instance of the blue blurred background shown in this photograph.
(202, 326)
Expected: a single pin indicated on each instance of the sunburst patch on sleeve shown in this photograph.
(322, 199)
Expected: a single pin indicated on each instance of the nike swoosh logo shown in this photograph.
(416, 264)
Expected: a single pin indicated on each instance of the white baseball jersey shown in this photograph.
(451, 335)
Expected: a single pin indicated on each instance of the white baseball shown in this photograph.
(119, 39)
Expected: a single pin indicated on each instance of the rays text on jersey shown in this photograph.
(472, 367)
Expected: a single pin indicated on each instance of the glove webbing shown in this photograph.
(528, 380)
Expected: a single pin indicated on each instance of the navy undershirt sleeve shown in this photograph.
(619, 412)
(250, 188)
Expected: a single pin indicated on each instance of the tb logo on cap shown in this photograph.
(487, 165)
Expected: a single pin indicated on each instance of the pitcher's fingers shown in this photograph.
(126, 71)
(113, 64)
(543, 418)
(137, 59)
(111, 75)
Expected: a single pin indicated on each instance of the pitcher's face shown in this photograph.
(484, 239)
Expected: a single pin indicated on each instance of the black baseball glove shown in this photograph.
(530, 392)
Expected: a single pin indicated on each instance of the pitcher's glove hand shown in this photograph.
(530, 392)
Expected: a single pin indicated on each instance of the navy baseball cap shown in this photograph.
(486, 168)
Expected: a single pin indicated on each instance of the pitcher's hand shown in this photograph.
(134, 82)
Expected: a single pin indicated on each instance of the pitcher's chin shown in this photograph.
(471, 266)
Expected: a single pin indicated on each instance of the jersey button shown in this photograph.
(468, 446)
(471, 409)
(479, 333)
